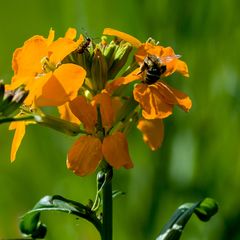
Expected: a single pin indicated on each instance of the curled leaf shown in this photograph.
(31, 225)
(204, 209)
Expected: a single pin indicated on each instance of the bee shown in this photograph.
(153, 67)
(84, 46)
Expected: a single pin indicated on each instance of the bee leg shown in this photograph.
(143, 67)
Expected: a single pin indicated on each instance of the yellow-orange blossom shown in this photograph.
(38, 66)
(52, 81)
(156, 100)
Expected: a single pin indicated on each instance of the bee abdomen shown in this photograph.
(153, 74)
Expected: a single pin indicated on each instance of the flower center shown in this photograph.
(47, 66)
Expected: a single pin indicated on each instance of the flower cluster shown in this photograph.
(90, 84)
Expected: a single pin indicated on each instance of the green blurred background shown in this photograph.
(200, 155)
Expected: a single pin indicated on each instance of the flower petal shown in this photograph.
(148, 49)
(35, 86)
(126, 37)
(85, 112)
(60, 48)
(51, 36)
(71, 33)
(106, 108)
(15, 59)
(80, 39)
(18, 136)
(182, 68)
(182, 99)
(117, 105)
(173, 96)
(176, 66)
(63, 85)
(153, 132)
(66, 113)
(151, 101)
(115, 151)
(27, 60)
(118, 82)
(85, 155)
(165, 91)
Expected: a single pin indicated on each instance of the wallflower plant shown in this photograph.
(101, 91)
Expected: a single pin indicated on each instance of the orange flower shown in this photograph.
(164, 53)
(153, 132)
(156, 99)
(87, 152)
(38, 65)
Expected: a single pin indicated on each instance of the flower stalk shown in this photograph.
(105, 180)
(107, 211)
(71, 129)
(16, 119)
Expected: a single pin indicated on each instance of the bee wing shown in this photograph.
(166, 59)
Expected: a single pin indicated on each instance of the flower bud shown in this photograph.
(84, 59)
(66, 127)
(19, 95)
(120, 58)
(11, 100)
(99, 69)
(108, 52)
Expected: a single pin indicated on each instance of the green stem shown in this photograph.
(16, 119)
(107, 211)
(69, 128)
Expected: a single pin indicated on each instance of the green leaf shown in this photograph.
(204, 209)
(31, 225)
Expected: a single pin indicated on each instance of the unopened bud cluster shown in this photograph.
(11, 100)
(102, 61)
